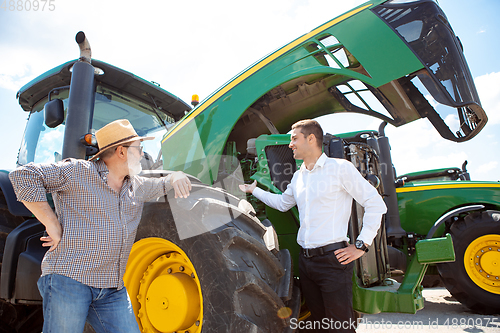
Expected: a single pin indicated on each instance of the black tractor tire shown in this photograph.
(15, 317)
(476, 239)
(244, 286)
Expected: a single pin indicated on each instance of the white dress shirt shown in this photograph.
(324, 196)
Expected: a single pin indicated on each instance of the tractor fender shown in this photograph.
(15, 207)
(21, 262)
(449, 214)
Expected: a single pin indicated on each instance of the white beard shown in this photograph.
(134, 165)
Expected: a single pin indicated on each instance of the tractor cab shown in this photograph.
(117, 95)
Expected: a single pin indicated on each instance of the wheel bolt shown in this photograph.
(192, 275)
(169, 270)
(198, 322)
(181, 268)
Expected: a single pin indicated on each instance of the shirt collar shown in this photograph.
(101, 168)
(319, 163)
(103, 171)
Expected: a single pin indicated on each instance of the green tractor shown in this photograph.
(219, 261)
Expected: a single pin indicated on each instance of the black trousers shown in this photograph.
(327, 288)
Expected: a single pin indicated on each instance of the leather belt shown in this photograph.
(318, 251)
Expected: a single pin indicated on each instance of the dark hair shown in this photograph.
(107, 153)
(307, 127)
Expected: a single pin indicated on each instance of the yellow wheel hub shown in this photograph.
(482, 262)
(163, 287)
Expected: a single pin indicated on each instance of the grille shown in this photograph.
(282, 165)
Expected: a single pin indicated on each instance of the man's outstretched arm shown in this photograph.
(281, 202)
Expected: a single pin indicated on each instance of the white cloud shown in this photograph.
(187, 47)
(487, 167)
(16, 67)
(488, 88)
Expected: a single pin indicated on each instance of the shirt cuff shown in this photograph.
(167, 185)
(258, 193)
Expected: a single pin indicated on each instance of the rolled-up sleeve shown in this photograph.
(32, 182)
(151, 188)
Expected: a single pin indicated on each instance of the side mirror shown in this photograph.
(54, 113)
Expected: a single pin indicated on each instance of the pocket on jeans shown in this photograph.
(43, 283)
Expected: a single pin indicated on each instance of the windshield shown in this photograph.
(42, 144)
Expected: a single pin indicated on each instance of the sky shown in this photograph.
(194, 47)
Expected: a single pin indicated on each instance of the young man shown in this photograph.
(323, 189)
(98, 205)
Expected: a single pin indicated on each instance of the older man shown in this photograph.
(98, 207)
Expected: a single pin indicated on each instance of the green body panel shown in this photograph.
(407, 296)
(424, 172)
(421, 204)
(387, 299)
(207, 127)
(353, 134)
(435, 250)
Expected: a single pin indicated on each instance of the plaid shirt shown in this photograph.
(99, 225)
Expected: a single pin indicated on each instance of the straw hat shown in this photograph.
(118, 132)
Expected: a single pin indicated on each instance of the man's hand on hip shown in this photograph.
(54, 236)
(181, 184)
(348, 254)
(44, 213)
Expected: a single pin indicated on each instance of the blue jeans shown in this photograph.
(67, 304)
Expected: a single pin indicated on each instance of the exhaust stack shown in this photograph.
(80, 103)
(85, 51)
(392, 221)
